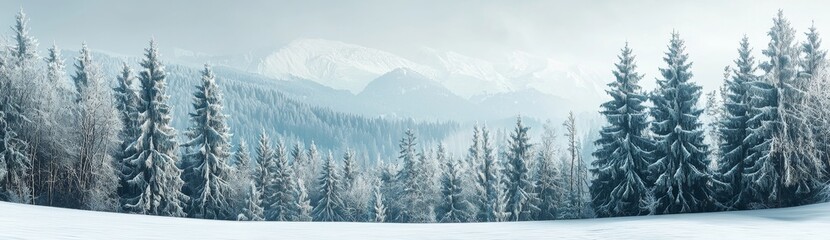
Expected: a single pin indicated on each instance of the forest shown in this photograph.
(110, 137)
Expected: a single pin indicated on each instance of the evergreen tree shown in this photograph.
(412, 202)
(499, 204)
(242, 157)
(206, 171)
(329, 207)
(279, 193)
(349, 173)
(253, 205)
(490, 178)
(303, 208)
(377, 207)
(813, 60)
(681, 164)
(520, 189)
(14, 161)
(126, 101)
(82, 68)
(787, 169)
(55, 67)
(265, 155)
(621, 167)
(734, 130)
(154, 184)
(453, 207)
(23, 50)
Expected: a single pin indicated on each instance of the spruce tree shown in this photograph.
(23, 50)
(126, 101)
(491, 179)
(377, 206)
(154, 184)
(265, 155)
(206, 171)
(280, 192)
(55, 67)
(621, 167)
(788, 169)
(253, 205)
(734, 130)
(303, 206)
(329, 207)
(242, 157)
(14, 161)
(349, 171)
(681, 165)
(453, 206)
(412, 203)
(520, 189)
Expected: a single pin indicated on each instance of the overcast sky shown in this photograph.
(587, 33)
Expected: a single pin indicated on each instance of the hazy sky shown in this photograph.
(587, 33)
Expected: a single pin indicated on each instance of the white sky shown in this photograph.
(588, 33)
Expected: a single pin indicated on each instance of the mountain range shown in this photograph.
(434, 85)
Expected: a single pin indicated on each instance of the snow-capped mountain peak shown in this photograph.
(332, 63)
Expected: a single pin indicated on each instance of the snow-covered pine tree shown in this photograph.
(813, 62)
(491, 179)
(126, 101)
(734, 130)
(242, 157)
(377, 206)
(681, 165)
(253, 205)
(14, 162)
(349, 171)
(82, 64)
(550, 184)
(24, 49)
(303, 205)
(621, 167)
(311, 169)
(154, 184)
(55, 67)
(520, 189)
(412, 203)
(329, 207)
(265, 155)
(453, 206)
(279, 194)
(791, 151)
(499, 202)
(206, 171)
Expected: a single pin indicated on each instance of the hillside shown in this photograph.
(35, 222)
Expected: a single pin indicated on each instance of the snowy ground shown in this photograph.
(34, 222)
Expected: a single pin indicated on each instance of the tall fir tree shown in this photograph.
(242, 157)
(349, 171)
(154, 184)
(14, 160)
(453, 206)
(279, 193)
(681, 165)
(206, 171)
(813, 62)
(377, 205)
(126, 101)
(788, 149)
(265, 155)
(621, 167)
(329, 207)
(734, 130)
(23, 50)
(303, 207)
(412, 204)
(490, 178)
(522, 199)
(252, 211)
